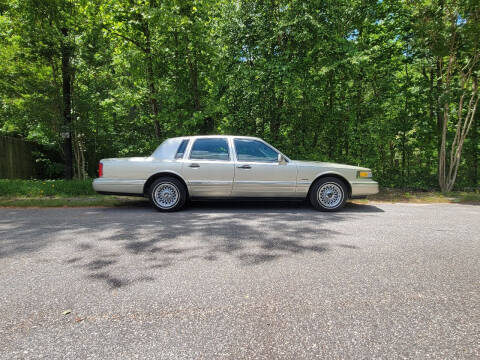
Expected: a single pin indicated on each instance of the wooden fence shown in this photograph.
(16, 160)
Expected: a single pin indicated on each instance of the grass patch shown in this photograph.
(469, 197)
(80, 201)
(45, 188)
(57, 193)
(395, 195)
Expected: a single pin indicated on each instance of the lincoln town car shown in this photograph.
(219, 166)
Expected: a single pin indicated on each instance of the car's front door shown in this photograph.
(208, 168)
(258, 172)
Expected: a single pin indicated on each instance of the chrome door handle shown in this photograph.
(194, 165)
(244, 167)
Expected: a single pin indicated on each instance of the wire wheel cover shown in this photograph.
(330, 195)
(166, 195)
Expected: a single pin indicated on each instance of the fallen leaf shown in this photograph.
(66, 312)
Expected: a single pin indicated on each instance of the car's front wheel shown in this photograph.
(328, 194)
(167, 194)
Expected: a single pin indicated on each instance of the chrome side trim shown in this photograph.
(274, 183)
(118, 181)
(304, 182)
(209, 183)
(212, 188)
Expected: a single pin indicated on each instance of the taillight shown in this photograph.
(100, 169)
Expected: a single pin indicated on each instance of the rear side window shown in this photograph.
(210, 149)
(181, 149)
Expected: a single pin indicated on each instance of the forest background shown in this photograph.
(390, 85)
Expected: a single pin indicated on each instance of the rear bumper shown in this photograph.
(364, 188)
(118, 186)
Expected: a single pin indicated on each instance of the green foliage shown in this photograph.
(346, 81)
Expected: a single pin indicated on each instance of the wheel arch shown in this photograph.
(333, 175)
(161, 174)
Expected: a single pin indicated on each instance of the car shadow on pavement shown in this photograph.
(121, 246)
(271, 205)
(239, 205)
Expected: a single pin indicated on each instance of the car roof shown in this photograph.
(228, 136)
(217, 136)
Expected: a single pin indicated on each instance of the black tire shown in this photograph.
(334, 191)
(174, 194)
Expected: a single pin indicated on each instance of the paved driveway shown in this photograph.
(263, 281)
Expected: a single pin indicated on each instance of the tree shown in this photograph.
(449, 33)
(46, 28)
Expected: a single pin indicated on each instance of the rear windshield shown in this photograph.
(167, 149)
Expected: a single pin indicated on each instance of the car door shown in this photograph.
(209, 167)
(258, 172)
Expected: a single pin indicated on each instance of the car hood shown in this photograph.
(330, 165)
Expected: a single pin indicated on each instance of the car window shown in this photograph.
(181, 149)
(210, 149)
(254, 150)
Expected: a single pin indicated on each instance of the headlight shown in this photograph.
(362, 174)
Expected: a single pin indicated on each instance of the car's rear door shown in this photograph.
(209, 167)
(258, 172)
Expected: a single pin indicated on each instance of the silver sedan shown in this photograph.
(220, 166)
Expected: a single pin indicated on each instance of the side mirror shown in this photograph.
(281, 160)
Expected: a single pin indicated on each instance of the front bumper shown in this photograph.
(119, 186)
(364, 188)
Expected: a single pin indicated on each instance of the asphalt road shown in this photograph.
(241, 281)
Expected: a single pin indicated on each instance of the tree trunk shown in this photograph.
(471, 156)
(455, 70)
(405, 128)
(275, 120)
(66, 52)
(475, 152)
(194, 84)
(150, 73)
(151, 82)
(153, 93)
(447, 179)
(207, 125)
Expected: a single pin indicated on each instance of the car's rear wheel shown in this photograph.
(328, 194)
(167, 194)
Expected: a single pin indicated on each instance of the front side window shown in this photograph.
(210, 149)
(254, 150)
